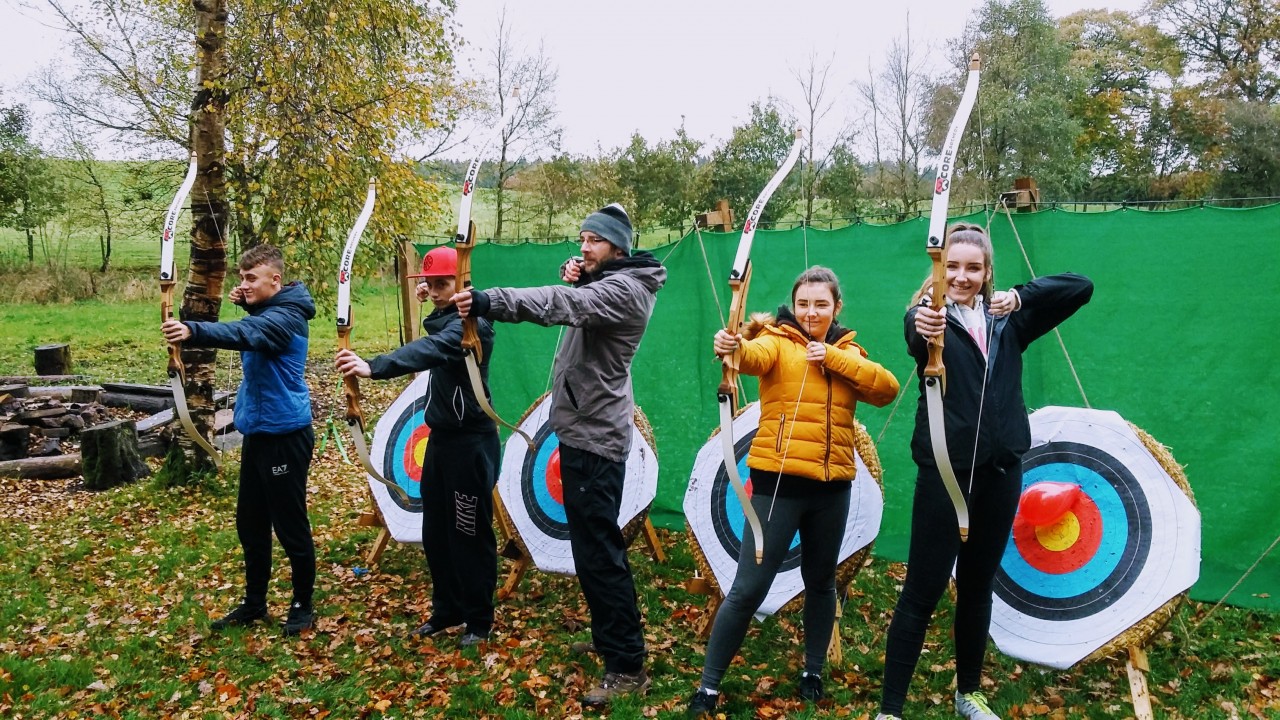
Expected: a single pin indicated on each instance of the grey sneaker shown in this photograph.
(243, 615)
(973, 706)
(470, 639)
(882, 716)
(615, 684)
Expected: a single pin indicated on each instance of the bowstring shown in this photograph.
(231, 357)
(795, 411)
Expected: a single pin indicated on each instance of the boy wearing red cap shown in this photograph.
(460, 466)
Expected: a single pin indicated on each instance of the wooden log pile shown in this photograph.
(41, 427)
(37, 425)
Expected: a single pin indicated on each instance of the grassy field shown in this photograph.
(109, 594)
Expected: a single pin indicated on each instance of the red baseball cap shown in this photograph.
(440, 262)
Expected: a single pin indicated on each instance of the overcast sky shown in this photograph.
(628, 65)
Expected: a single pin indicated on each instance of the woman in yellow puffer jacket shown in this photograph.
(802, 460)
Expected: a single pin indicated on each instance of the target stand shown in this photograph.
(529, 501)
(716, 522)
(1105, 544)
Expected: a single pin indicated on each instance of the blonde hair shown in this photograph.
(965, 234)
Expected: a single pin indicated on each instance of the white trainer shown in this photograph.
(973, 706)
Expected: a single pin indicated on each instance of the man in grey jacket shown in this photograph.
(606, 309)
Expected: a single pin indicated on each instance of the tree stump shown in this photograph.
(109, 455)
(13, 441)
(53, 359)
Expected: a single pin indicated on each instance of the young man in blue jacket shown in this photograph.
(273, 412)
(462, 458)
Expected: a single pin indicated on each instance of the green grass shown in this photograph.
(108, 597)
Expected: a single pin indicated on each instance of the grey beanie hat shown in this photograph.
(612, 224)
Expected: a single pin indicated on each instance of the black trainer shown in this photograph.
(243, 615)
(703, 705)
(300, 618)
(810, 687)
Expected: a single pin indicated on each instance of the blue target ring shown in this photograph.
(727, 516)
(1115, 535)
(398, 464)
(1125, 540)
(545, 511)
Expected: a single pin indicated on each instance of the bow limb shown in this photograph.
(473, 351)
(345, 322)
(168, 281)
(727, 399)
(935, 373)
(727, 392)
(464, 242)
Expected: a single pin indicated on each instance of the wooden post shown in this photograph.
(651, 539)
(407, 262)
(835, 652)
(53, 359)
(1137, 667)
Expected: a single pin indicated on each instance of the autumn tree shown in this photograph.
(527, 79)
(819, 146)
(896, 96)
(317, 97)
(1234, 45)
(841, 184)
(1022, 125)
(31, 193)
(1127, 67)
(664, 183)
(740, 168)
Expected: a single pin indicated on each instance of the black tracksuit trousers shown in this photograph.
(273, 496)
(459, 471)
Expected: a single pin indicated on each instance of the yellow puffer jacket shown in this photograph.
(811, 438)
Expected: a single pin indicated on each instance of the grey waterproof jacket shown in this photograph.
(606, 315)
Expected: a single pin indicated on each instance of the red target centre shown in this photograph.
(554, 486)
(1063, 545)
(414, 452)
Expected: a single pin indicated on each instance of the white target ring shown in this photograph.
(716, 520)
(399, 443)
(529, 486)
(1129, 543)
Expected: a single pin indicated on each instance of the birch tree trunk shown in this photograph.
(202, 298)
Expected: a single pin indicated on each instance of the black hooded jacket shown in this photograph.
(451, 403)
(1005, 430)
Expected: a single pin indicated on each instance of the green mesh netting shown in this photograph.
(1173, 340)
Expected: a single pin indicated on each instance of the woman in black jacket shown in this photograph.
(987, 433)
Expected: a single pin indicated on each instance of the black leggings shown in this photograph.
(935, 549)
(820, 519)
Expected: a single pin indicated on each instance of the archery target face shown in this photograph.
(717, 522)
(1129, 542)
(399, 444)
(531, 491)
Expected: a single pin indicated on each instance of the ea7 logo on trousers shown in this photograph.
(279, 470)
